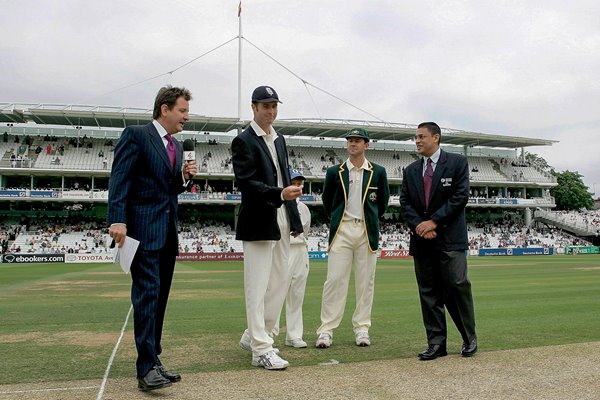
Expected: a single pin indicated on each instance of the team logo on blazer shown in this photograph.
(373, 197)
(446, 181)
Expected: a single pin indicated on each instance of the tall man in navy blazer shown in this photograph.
(438, 241)
(267, 216)
(147, 175)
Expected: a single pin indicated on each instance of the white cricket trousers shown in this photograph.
(266, 279)
(295, 294)
(350, 249)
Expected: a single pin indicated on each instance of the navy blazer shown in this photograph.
(143, 187)
(256, 178)
(448, 199)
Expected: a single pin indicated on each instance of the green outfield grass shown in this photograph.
(61, 321)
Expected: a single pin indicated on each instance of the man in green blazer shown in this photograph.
(355, 196)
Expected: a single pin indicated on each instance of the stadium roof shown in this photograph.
(120, 117)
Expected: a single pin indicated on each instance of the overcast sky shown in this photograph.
(526, 68)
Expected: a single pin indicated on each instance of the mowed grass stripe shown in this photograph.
(59, 322)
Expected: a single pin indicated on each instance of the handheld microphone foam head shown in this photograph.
(189, 154)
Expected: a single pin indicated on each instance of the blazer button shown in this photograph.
(168, 211)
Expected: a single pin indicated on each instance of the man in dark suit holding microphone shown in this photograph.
(435, 192)
(148, 173)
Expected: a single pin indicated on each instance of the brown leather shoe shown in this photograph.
(153, 380)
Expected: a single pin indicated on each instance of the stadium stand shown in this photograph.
(88, 238)
(482, 169)
(215, 158)
(583, 222)
(587, 218)
(499, 180)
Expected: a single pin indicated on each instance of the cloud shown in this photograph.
(502, 67)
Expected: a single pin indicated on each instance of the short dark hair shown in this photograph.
(432, 127)
(168, 95)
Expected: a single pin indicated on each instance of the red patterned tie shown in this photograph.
(170, 149)
(427, 177)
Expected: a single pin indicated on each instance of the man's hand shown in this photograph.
(118, 233)
(291, 192)
(430, 235)
(425, 227)
(190, 169)
(295, 234)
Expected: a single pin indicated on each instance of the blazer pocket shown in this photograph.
(372, 194)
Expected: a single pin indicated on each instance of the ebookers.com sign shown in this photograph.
(90, 258)
(32, 258)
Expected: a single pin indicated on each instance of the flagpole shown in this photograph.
(240, 62)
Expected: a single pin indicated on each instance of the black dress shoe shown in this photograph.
(172, 376)
(153, 380)
(470, 348)
(433, 351)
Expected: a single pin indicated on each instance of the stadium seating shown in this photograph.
(584, 222)
(74, 157)
(215, 158)
(88, 241)
(220, 238)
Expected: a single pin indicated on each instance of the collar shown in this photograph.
(365, 164)
(259, 131)
(162, 132)
(434, 157)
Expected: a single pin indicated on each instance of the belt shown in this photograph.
(355, 220)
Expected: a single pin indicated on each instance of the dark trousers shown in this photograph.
(151, 273)
(444, 284)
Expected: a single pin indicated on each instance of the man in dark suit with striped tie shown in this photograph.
(435, 192)
(147, 175)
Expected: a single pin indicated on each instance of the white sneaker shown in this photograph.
(245, 342)
(363, 339)
(269, 360)
(297, 343)
(324, 341)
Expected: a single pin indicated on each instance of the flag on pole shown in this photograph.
(240, 9)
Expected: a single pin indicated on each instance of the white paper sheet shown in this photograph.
(124, 255)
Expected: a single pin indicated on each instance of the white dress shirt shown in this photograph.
(269, 139)
(435, 157)
(354, 208)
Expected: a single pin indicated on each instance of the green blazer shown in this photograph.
(375, 197)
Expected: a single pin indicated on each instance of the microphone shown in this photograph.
(189, 154)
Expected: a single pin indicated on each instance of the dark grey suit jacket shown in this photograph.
(448, 199)
(143, 187)
(256, 177)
